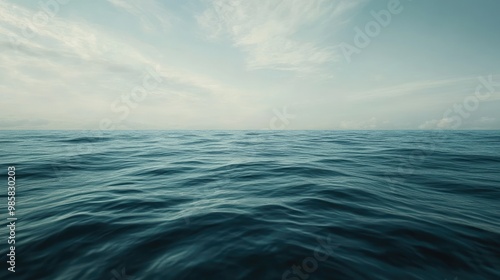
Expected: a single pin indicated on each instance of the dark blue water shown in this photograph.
(254, 205)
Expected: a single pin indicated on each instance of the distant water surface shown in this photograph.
(254, 204)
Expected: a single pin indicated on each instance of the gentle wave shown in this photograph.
(256, 204)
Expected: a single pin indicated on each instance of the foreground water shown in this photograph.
(254, 205)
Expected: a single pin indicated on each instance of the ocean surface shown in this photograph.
(131, 205)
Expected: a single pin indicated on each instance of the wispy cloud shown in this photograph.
(150, 13)
(444, 123)
(64, 42)
(371, 123)
(410, 88)
(79, 66)
(276, 34)
(69, 65)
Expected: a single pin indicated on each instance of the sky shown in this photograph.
(239, 64)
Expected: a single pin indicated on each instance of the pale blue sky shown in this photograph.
(284, 64)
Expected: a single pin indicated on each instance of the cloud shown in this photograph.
(371, 123)
(16, 123)
(444, 123)
(272, 33)
(63, 43)
(78, 69)
(487, 120)
(150, 13)
(410, 88)
(77, 63)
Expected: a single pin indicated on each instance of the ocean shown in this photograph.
(290, 205)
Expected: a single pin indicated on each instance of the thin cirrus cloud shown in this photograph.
(233, 64)
(416, 87)
(268, 31)
(80, 68)
(151, 15)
